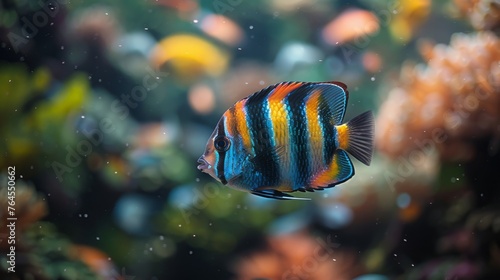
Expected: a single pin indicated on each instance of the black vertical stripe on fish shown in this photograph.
(261, 131)
(258, 98)
(299, 132)
(328, 130)
(222, 155)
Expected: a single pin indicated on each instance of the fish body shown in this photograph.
(288, 137)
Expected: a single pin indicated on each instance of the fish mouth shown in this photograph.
(203, 164)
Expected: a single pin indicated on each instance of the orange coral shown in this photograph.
(450, 103)
(482, 14)
(299, 256)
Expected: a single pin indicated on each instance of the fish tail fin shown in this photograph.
(356, 137)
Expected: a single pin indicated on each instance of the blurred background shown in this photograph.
(105, 108)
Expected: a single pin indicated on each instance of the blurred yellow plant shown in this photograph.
(409, 15)
(189, 57)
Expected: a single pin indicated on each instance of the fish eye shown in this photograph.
(221, 143)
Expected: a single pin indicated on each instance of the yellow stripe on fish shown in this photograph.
(242, 125)
(314, 128)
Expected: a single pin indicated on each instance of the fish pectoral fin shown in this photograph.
(261, 160)
(277, 195)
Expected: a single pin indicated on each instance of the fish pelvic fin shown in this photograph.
(356, 137)
(277, 195)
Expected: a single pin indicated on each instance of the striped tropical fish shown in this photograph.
(288, 137)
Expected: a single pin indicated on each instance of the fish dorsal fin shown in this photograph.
(335, 95)
(279, 90)
(332, 101)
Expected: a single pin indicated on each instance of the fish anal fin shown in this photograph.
(339, 171)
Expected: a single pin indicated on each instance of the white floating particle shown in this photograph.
(261, 82)
(97, 238)
(372, 78)
(85, 215)
(145, 28)
(197, 179)
(116, 172)
(190, 252)
(150, 248)
(107, 14)
(334, 260)
(195, 20)
(83, 117)
(250, 27)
